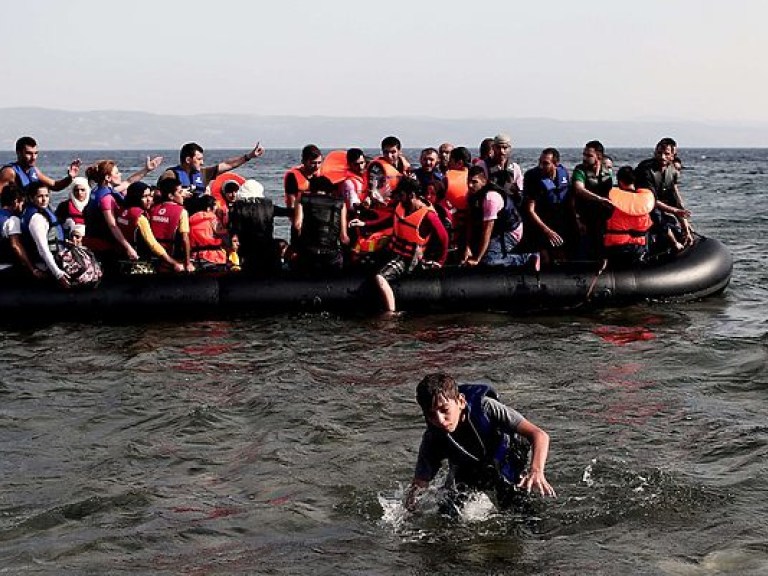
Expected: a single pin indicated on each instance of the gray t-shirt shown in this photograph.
(436, 444)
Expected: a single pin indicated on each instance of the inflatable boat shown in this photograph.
(699, 271)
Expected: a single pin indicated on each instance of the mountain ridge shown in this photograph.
(121, 129)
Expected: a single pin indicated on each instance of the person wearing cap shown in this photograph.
(194, 177)
(417, 228)
(500, 169)
(133, 220)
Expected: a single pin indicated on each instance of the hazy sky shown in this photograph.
(566, 59)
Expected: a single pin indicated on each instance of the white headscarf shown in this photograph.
(79, 181)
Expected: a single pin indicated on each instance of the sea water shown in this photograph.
(283, 444)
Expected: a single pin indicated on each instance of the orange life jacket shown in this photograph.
(392, 174)
(406, 240)
(630, 219)
(360, 183)
(302, 180)
(202, 240)
(456, 190)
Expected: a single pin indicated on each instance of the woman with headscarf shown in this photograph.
(70, 212)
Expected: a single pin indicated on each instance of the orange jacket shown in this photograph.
(406, 240)
(630, 219)
(456, 190)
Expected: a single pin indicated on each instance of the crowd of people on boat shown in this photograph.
(345, 210)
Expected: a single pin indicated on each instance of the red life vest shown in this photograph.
(164, 220)
(630, 219)
(128, 222)
(406, 240)
(456, 189)
(203, 242)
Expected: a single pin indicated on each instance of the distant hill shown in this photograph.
(110, 130)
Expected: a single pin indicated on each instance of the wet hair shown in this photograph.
(626, 175)
(461, 154)
(98, 172)
(321, 184)
(429, 150)
(25, 141)
(167, 187)
(310, 152)
(477, 171)
(485, 147)
(664, 142)
(391, 141)
(134, 194)
(188, 150)
(354, 154)
(10, 194)
(555, 154)
(596, 145)
(433, 387)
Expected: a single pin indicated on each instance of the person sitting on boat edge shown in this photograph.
(494, 226)
(24, 171)
(659, 175)
(320, 223)
(133, 220)
(626, 231)
(70, 212)
(415, 224)
(13, 255)
(194, 177)
(484, 441)
(42, 234)
(551, 222)
(169, 221)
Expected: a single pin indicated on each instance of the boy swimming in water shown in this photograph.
(484, 441)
